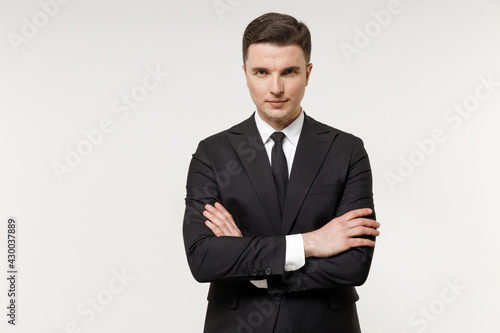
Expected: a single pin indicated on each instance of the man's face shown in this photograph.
(277, 77)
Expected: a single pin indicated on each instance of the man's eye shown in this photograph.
(260, 73)
(289, 72)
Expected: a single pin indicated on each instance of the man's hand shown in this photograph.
(220, 221)
(337, 236)
(340, 234)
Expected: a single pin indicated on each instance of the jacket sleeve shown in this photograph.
(222, 259)
(349, 268)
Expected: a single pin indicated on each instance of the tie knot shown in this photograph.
(277, 136)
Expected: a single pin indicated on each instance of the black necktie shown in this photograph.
(279, 168)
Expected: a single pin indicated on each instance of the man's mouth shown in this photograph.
(277, 102)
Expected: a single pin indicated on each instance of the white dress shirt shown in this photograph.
(294, 255)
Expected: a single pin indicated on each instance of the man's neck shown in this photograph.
(280, 124)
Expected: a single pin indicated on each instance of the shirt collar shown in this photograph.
(292, 131)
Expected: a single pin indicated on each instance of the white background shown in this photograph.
(121, 208)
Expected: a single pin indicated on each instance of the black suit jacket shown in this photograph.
(330, 176)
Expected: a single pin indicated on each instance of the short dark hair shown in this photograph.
(277, 29)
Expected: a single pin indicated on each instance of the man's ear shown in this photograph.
(308, 72)
(244, 71)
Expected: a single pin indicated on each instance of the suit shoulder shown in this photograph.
(218, 143)
(342, 135)
(215, 138)
(220, 137)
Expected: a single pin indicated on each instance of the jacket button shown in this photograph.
(261, 271)
(268, 271)
(254, 272)
(246, 273)
(304, 287)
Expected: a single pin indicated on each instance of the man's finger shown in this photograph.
(363, 222)
(214, 211)
(220, 214)
(355, 242)
(223, 210)
(356, 213)
(217, 232)
(363, 231)
(225, 216)
(217, 221)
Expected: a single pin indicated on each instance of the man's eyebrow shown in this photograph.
(258, 69)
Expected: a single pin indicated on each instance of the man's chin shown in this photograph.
(277, 115)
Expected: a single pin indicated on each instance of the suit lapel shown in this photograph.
(314, 143)
(248, 145)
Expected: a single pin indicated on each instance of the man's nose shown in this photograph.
(277, 86)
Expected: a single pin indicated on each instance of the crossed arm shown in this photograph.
(338, 254)
(337, 236)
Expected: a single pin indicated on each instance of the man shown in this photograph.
(279, 210)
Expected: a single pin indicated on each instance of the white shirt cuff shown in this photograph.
(259, 283)
(295, 257)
